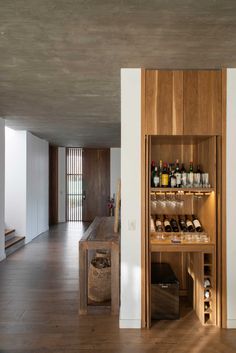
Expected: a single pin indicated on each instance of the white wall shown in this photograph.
(26, 191)
(114, 169)
(61, 184)
(15, 180)
(37, 186)
(2, 178)
(130, 311)
(231, 197)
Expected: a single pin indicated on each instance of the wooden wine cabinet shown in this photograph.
(182, 118)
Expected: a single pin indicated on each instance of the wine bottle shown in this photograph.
(160, 172)
(177, 174)
(189, 224)
(207, 294)
(172, 180)
(152, 173)
(191, 174)
(197, 224)
(159, 225)
(183, 176)
(174, 225)
(206, 306)
(152, 224)
(165, 176)
(198, 176)
(167, 224)
(170, 167)
(207, 283)
(156, 180)
(182, 224)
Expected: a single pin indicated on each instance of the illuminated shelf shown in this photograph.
(182, 191)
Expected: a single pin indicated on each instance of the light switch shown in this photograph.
(131, 225)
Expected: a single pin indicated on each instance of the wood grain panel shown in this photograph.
(150, 102)
(177, 108)
(164, 102)
(202, 102)
(96, 182)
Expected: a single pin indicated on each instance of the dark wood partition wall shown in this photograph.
(96, 183)
(183, 116)
(53, 185)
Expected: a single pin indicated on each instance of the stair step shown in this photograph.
(9, 231)
(16, 239)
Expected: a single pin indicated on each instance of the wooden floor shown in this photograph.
(39, 309)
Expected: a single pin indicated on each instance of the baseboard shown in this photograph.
(231, 323)
(132, 323)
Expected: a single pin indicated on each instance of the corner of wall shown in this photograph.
(2, 189)
(130, 310)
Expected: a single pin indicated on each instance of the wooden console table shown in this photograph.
(98, 236)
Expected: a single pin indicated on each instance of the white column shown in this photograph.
(231, 197)
(2, 188)
(130, 311)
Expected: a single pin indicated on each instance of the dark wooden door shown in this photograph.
(96, 182)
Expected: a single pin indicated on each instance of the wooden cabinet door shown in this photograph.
(163, 102)
(202, 102)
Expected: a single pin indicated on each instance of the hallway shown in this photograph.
(39, 309)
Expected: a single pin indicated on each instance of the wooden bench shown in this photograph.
(99, 235)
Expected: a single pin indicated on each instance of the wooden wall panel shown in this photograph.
(164, 102)
(96, 183)
(202, 102)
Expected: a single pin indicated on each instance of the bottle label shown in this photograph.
(196, 223)
(152, 226)
(165, 180)
(173, 182)
(184, 179)
(191, 178)
(189, 223)
(158, 223)
(166, 222)
(156, 180)
(207, 283)
(178, 178)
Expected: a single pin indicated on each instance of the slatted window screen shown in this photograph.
(74, 184)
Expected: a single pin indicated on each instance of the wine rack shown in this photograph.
(201, 267)
(209, 299)
(188, 253)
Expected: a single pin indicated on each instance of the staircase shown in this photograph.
(12, 241)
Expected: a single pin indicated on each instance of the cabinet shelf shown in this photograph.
(182, 191)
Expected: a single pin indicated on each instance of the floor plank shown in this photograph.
(39, 309)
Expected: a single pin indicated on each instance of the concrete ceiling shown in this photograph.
(60, 60)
